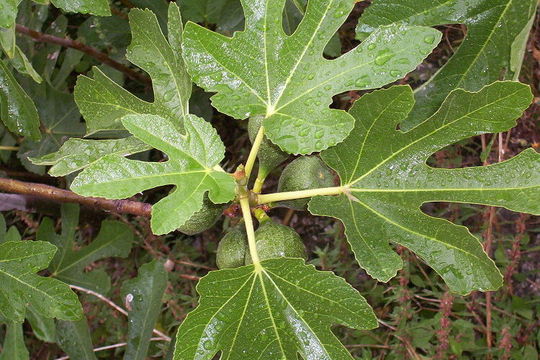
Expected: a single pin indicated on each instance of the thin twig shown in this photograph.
(60, 195)
(190, 277)
(375, 346)
(100, 297)
(88, 50)
(192, 264)
(108, 347)
(116, 307)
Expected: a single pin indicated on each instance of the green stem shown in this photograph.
(254, 151)
(9, 148)
(302, 194)
(259, 182)
(250, 230)
(260, 215)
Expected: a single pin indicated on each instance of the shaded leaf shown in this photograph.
(15, 55)
(74, 338)
(95, 7)
(483, 57)
(262, 71)
(206, 11)
(19, 261)
(386, 180)
(145, 293)
(14, 347)
(17, 110)
(193, 167)
(60, 120)
(8, 12)
(281, 310)
(113, 240)
(43, 328)
(11, 234)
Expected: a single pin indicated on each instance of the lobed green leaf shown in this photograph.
(193, 167)
(21, 287)
(263, 71)
(282, 310)
(386, 181)
(486, 54)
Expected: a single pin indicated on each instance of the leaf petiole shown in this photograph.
(254, 151)
(250, 230)
(302, 194)
(259, 182)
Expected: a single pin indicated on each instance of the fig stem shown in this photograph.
(302, 194)
(259, 182)
(250, 231)
(254, 151)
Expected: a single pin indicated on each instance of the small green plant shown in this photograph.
(367, 167)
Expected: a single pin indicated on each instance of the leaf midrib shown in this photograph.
(176, 86)
(82, 258)
(299, 60)
(445, 125)
(463, 74)
(37, 290)
(407, 230)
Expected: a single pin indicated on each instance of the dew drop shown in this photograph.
(362, 81)
(371, 46)
(207, 345)
(395, 73)
(429, 39)
(319, 134)
(383, 57)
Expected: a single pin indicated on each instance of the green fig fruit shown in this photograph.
(303, 173)
(232, 249)
(276, 240)
(269, 155)
(203, 219)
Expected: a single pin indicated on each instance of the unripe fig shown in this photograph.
(276, 240)
(203, 219)
(303, 173)
(270, 155)
(232, 249)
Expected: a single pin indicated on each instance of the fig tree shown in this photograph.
(303, 173)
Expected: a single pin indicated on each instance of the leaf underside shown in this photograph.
(263, 71)
(285, 309)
